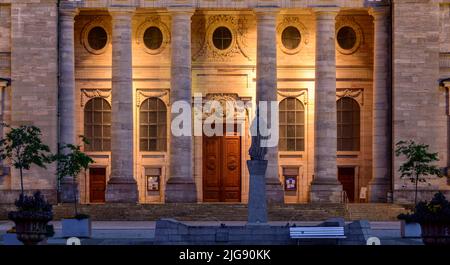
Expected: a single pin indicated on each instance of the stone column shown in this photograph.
(325, 186)
(67, 92)
(381, 154)
(181, 185)
(122, 185)
(266, 89)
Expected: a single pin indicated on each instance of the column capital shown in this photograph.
(121, 11)
(69, 12)
(380, 12)
(325, 12)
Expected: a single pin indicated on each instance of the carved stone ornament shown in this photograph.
(87, 94)
(349, 21)
(98, 21)
(291, 21)
(237, 26)
(153, 21)
(356, 94)
(227, 102)
(300, 94)
(143, 94)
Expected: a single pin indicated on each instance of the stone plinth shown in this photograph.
(257, 203)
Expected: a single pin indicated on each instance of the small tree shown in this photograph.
(71, 161)
(23, 146)
(418, 163)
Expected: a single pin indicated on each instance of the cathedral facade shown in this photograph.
(351, 78)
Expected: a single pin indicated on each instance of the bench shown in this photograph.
(317, 232)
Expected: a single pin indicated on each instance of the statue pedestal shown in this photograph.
(257, 204)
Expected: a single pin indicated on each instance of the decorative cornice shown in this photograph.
(87, 94)
(300, 94)
(356, 94)
(143, 94)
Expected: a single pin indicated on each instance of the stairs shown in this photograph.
(224, 212)
(373, 211)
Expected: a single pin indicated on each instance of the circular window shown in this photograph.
(346, 38)
(97, 38)
(153, 38)
(222, 38)
(291, 38)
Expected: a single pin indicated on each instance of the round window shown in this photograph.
(346, 38)
(222, 38)
(291, 38)
(97, 38)
(153, 38)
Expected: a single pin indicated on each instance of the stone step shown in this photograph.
(224, 212)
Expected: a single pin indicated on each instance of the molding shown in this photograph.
(300, 94)
(293, 21)
(143, 94)
(239, 31)
(227, 101)
(153, 21)
(98, 21)
(349, 21)
(87, 94)
(356, 94)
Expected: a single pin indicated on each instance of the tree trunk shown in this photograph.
(74, 187)
(415, 195)
(21, 181)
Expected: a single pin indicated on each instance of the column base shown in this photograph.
(326, 191)
(67, 189)
(274, 191)
(180, 191)
(378, 191)
(120, 190)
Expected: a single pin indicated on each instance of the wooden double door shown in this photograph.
(346, 175)
(222, 169)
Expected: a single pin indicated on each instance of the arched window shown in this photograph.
(97, 125)
(348, 124)
(153, 125)
(292, 125)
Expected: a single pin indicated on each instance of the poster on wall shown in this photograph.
(153, 183)
(290, 183)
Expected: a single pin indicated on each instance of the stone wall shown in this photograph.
(419, 103)
(34, 72)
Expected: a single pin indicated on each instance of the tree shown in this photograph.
(71, 161)
(23, 146)
(418, 163)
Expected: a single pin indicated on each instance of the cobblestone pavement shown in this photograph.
(142, 233)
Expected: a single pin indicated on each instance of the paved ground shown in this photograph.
(142, 233)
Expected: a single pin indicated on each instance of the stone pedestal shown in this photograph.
(257, 204)
(381, 141)
(122, 186)
(180, 188)
(266, 89)
(325, 186)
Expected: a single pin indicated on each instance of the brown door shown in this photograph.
(97, 185)
(346, 176)
(221, 169)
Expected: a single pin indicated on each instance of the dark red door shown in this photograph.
(221, 169)
(97, 185)
(346, 176)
